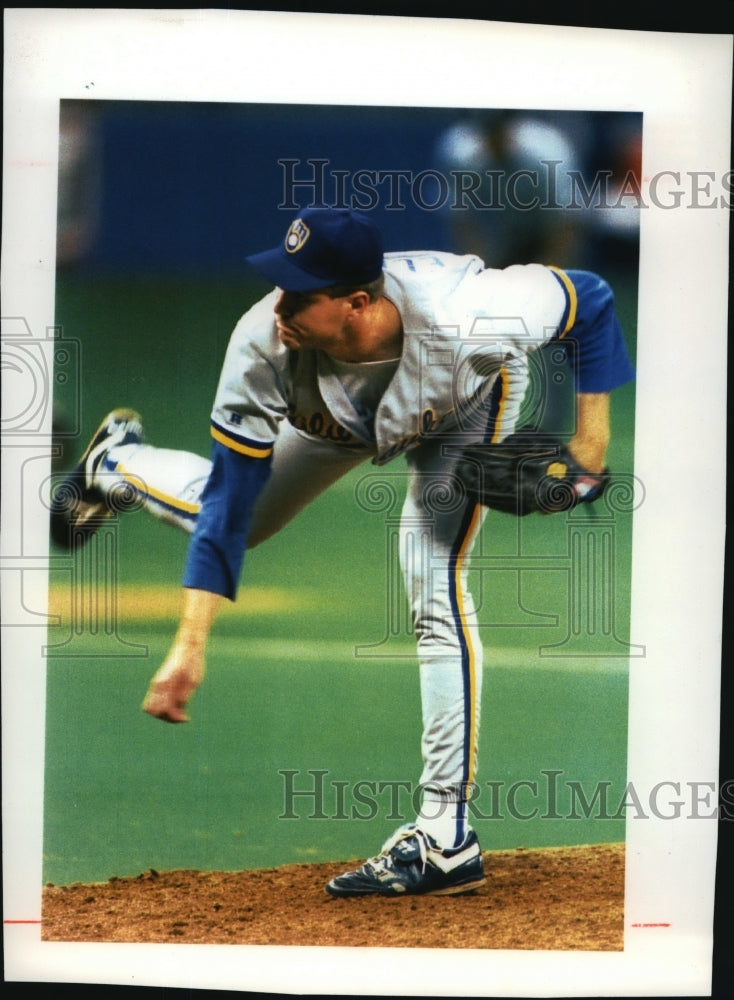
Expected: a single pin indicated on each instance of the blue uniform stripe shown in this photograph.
(593, 336)
(240, 443)
(496, 406)
(181, 512)
(568, 319)
(465, 535)
(183, 509)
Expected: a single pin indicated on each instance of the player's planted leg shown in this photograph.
(439, 853)
(412, 863)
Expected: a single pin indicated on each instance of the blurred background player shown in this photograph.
(523, 163)
(527, 177)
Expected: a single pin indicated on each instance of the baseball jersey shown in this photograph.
(464, 327)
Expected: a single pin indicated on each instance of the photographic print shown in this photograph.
(336, 466)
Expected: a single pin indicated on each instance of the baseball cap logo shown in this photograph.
(296, 236)
(323, 247)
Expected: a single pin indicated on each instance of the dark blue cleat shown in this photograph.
(78, 506)
(412, 863)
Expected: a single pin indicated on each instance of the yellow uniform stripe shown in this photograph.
(142, 487)
(572, 299)
(243, 449)
(466, 544)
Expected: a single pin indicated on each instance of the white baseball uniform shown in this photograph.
(307, 420)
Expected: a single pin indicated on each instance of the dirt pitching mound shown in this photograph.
(552, 899)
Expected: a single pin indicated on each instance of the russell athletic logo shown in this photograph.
(296, 236)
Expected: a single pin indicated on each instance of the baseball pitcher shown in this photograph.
(359, 355)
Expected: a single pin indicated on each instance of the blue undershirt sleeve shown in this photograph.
(217, 548)
(594, 343)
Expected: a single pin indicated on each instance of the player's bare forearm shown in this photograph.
(593, 430)
(183, 669)
(198, 612)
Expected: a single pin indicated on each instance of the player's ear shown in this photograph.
(358, 301)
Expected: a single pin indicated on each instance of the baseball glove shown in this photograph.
(526, 473)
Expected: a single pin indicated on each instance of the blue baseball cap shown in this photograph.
(323, 247)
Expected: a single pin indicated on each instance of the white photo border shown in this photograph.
(682, 85)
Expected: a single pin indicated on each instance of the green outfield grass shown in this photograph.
(316, 671)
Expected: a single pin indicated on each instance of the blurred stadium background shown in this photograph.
(312, 669)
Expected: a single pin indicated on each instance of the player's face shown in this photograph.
(312, 320)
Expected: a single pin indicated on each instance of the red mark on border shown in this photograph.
(649, 925)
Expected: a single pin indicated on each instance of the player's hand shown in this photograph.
(172, 686)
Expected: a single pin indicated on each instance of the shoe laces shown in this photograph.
(94, 459)
(118, 433)
(404, 833)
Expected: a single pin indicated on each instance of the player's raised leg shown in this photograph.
(119, 472)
